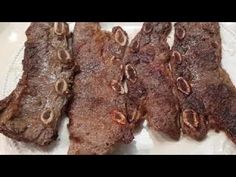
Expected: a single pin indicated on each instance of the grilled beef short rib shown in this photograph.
(149, 80)
(97, 114)
(205, 91)
(32, 111)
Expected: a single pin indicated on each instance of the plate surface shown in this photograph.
(12, 38)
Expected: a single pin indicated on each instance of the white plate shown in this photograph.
(12, 38)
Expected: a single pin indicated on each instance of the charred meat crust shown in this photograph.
(213, 97)
(97, 113)
(32, 111)
(151, 89)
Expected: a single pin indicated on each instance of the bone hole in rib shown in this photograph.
(183, 85)
(130, 73)
(176, 56)
(119, 117)
(148, 27)
(116, 86)
(61, 86)
(59, 28)
(47, 114)
(190, 118)
(120, 37)
(63, 55)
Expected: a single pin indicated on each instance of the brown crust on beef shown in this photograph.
(213, 95)
(152, 93)
(20, 113)
(98, 112)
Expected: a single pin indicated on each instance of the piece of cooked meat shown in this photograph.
(97, 114)
(32, 111)
(206, 94)
(149, 80)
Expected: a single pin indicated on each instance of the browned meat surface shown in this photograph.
(149, 81)
(32, 111)
(206, 94)
(98, 111)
